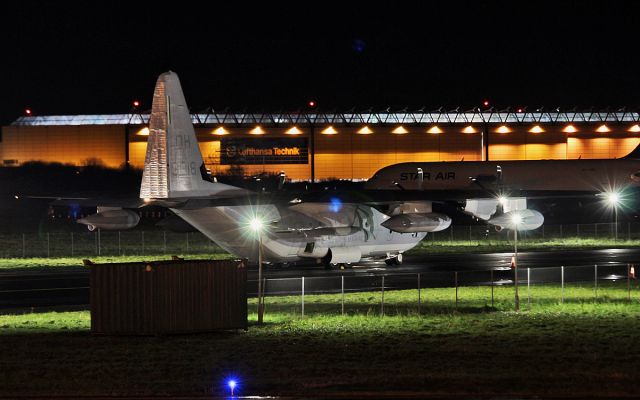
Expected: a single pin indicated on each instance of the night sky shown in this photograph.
(77, 60)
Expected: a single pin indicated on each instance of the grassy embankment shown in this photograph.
(577, 349)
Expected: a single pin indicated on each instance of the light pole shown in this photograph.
(516, 219)
(257, 226)
(613, 198)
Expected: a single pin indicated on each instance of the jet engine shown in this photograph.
(524, 220)
(114, 219)
(411, 223)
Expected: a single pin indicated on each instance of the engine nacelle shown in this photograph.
(111, 220)
(411, 223)
(524, 220)
(339, 255)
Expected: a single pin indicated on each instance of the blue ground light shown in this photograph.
(232, 383)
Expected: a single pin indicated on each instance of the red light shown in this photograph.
(485, 103)
(136, 103)
(312, 103)
(27, 111)
(519, 110)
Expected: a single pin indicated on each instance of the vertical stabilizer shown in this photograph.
(173, 167)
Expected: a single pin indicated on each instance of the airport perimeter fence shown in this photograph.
(105, 243)
(137, 242)
(448, 291)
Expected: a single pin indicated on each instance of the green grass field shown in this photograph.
(580, 348)
(43, 263)
(424, 248)
(485, 246)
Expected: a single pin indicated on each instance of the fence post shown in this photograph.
(95, 241)
(629, 283)
(543, 232)
(71, 244)
(164, 238)
(529, 287)
(456, 283)
(561, 231)
(578, 230)
(303, 297)
(419, 290)
(492, 288)
(342, 294)
(595, 269)
(187, 242)
(24, 247)
(264, 287)
(596, 230)
(48, 246)
(119, 245)
(469, 232)
(628, 231)
(99, 242)
(382, 309)
(562, 284)
(143, 246)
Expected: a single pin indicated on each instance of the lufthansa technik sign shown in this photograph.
(251, 151)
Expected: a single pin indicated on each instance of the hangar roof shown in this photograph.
(385, 117)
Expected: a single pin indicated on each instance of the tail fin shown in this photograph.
(173, 167)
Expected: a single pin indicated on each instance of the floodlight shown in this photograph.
(256, 224)
(613, 198)
(516, 219)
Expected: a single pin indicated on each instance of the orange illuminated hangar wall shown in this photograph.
(77, 145)
(214, 153)
(352, 147)
(357, 152)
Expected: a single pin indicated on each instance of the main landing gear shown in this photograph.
(397, 260)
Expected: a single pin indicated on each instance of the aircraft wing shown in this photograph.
(98, 202)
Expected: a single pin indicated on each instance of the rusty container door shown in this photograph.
(168, 297)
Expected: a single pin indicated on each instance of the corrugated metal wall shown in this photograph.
(168, 297)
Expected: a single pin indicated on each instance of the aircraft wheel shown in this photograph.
(397, 260)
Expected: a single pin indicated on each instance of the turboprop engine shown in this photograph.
(523, 220)
(111, 219)
(417, 222)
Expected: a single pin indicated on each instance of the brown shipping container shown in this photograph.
(164, 297)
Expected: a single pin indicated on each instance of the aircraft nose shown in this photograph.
(635, 176)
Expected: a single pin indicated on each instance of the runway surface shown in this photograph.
(69, 286)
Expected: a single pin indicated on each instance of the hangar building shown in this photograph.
(323, 146)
